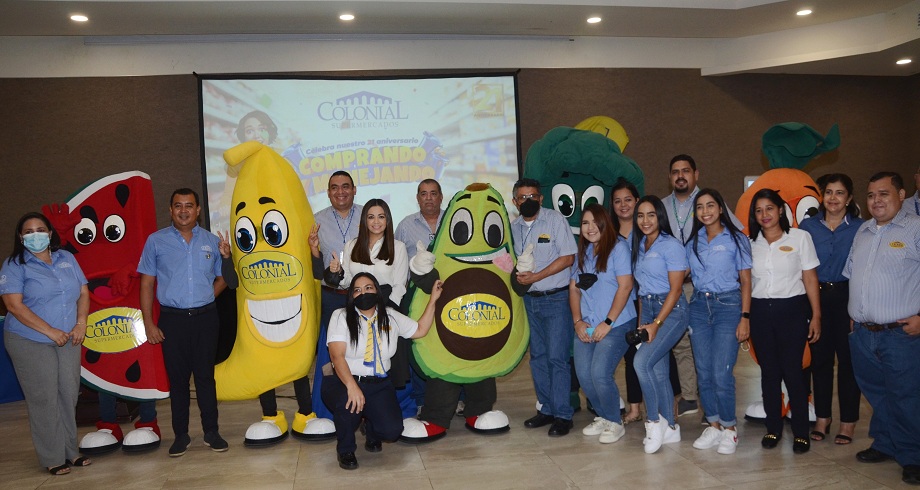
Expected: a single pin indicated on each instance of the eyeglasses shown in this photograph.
(528, 196)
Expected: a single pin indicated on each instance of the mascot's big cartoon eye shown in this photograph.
(85, 231)
(806, 208)
(592, 195)
(461, 227)
(114, 228)
(275, 228)
(493, 229)
(245, 234)
(564, 199)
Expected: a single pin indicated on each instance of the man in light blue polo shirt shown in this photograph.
(914, 201)
(884, 271)
(183, 263)
(421, 226)
(546, 249)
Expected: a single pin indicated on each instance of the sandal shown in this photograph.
(819, 435)
(842, 440)
(60, 470)
(81, 461)
(637, 418)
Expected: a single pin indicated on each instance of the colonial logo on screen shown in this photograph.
(362, 110)
(270, 272)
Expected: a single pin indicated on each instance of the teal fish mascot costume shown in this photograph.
(480, 330)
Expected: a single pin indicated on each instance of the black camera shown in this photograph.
(636, 337)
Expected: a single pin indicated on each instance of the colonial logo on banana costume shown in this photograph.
(278, 301)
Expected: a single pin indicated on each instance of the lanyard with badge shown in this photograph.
(681, 222)
(351, 214)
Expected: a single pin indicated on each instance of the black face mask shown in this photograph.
(366, 301)
(585, 281)
(529, 208)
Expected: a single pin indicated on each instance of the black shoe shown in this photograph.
(538, 420)
(215, 442)
(373, 446)
(348, 461)
(800, 445)
(872, 455)
(560, 427)
(770, 441)
(180, 446)
(911, 474)
(686, 407)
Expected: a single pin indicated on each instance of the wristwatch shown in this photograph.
(608, 321)
(657, 322)
(745, 314)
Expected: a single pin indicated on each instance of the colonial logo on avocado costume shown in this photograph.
(476, 315)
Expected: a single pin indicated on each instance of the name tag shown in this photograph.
(544, 238)
(786, 248)
(896, 244)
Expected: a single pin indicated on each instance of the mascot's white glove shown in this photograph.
(526, 262)
(423, 262)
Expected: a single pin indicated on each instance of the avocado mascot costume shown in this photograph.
(480, 329)
(105, 225)
(788, 147)
(278, 303)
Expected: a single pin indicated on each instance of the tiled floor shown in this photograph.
(521, 458)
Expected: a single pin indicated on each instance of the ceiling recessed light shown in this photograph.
(347, 17)
(594, 20)
(79, 18)
(803, 12)
(903, 61)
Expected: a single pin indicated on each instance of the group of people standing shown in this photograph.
(641, 278)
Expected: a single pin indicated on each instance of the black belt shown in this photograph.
(833, 285)
(188, 311)
(335, 290)
(879, 327)
(537, 294)
(369, 380)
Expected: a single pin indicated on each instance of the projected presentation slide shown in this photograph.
(388, 134)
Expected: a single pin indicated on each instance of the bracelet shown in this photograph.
(657, 322)
(80, 323)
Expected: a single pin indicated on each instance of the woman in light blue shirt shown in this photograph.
(720, 264)
(602, 311)
(659, 266)
(48, 300)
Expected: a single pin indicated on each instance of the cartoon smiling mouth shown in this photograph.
(478, 258)
(277, 320)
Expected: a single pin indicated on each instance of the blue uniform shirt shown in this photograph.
(50, 291)
(596, 300)
(666, 255)
(716, 268)
(414, 228)
(335, 232)
(552, 238)
(832, 246)
(185, 272)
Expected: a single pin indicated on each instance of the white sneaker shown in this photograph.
(597, 427)
(670, 435)
(654, 436)
(613, 433)
(729, 442)
(711, 437)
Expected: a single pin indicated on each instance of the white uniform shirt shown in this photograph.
(396, 275)
(400, 326)
(778, 266)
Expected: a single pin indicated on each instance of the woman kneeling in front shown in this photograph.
(360, 346)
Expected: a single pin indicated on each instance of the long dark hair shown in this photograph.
(664, 225)
(733, 230)
(620, 185)
(604, 247)
(852, 208)
(362, 251)
(772, 196)
(351, 313)
(19, 250)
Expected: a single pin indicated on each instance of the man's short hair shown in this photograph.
(896, 179)
(342, 173)
(685, 158)
(184, 191)
(525, 182)
(429, 181)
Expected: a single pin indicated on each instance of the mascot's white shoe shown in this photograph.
(144, 437)
(755, 412)
(494, 422)
(267, 432)
(312, 428)
(106, 438)
(418, 431)
(812, 418)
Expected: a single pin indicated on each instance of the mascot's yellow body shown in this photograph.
(278, 301)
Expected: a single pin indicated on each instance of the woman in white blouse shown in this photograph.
(375, 251)
(785, 313)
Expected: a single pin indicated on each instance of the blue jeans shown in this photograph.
(652, 362)
(107, 409)
(551, 336)
(714, 319)
(595, 364)
(886, 364)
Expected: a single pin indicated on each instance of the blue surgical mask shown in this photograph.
(37, 242)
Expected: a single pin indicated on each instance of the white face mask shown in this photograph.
(37, 242)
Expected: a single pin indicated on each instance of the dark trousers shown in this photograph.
(779, 330)
(834, 343)
(301, 391)
(189, 349)
(441, 400)
(382, 416)
(331, 301)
